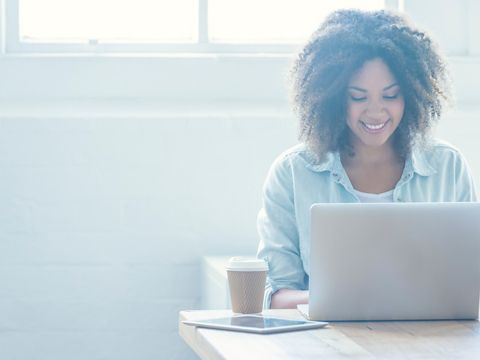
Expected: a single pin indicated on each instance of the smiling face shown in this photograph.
(375, 105)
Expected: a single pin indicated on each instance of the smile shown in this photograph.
(374, 127)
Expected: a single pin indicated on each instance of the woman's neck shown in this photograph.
(373, 169)
(368, 156)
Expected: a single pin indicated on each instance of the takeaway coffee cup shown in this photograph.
(246, 279)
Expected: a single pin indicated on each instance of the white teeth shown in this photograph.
(375, 127)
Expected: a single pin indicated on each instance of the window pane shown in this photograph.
(273, 21)
(108, 20)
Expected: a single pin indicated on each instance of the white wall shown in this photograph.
(119, 173)
(103, 222)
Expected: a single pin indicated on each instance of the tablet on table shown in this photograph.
(256, 324)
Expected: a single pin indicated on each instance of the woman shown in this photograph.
(367, 88)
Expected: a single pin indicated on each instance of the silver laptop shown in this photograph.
(395, 261)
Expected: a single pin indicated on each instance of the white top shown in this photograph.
(385, 197)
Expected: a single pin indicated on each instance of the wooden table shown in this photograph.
(381, 340)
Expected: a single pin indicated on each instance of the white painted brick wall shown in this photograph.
(103, 223)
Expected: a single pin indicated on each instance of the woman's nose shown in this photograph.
(375, 110)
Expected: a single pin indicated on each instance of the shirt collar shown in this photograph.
(420, 163)
(330, 161)
(416, 161)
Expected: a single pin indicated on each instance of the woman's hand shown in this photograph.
(288, 298)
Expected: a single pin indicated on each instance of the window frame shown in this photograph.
(13, 45)
(473, 28)
(203, 73)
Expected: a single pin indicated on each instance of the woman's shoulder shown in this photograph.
(300, 154)
(438, 154)
(439, 150)
(453, 171)
(295, 164)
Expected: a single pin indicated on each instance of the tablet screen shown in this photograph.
(256, 323)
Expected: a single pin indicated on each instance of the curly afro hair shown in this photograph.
(338, 49)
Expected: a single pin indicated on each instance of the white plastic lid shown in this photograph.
(242, 263)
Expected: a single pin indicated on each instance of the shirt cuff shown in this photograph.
(267, 299)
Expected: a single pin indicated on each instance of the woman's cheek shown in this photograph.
(354, 110)
(399, 108)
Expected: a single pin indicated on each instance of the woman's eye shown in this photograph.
(393, 97)
(354, 98)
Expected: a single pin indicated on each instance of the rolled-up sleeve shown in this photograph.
(277, 229)
(465, 186)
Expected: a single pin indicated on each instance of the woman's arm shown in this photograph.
(277, 228)
(289, 298)
(465, 186)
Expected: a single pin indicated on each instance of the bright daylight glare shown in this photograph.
(176, 21)
(273, 21)
(108, 20)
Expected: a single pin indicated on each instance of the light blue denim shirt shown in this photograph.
(437, 173)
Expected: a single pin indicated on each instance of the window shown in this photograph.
(272, 21)
(167, 25)
(107, 21)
